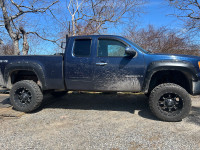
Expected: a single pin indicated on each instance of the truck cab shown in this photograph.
(101, 63)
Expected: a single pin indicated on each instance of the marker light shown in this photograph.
(199, 64)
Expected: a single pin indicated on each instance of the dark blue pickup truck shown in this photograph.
(105, 63)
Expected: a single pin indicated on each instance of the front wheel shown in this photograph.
(26, 96)
(170, 102)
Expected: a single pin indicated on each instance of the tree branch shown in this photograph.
(53, 41)
(29, 9)
(190, 10)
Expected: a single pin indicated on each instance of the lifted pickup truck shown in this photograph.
(105, 63)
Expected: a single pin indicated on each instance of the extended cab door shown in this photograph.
(78, 66)
(114, 70)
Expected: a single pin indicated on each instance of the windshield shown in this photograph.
(138, 47)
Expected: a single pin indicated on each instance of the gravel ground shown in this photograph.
(91, 121)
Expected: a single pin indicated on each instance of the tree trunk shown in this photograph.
(25, 47)
(7, 22)
(25, 42)
(16, 47)
(73, 26)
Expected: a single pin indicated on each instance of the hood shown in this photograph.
(172, 57)
(177, 56)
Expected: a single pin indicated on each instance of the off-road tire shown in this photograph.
(33, 90)
(166, 88)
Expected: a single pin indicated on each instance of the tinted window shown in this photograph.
(82, 47)
(112, 48)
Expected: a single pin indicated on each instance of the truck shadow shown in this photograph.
(109, 102)
(194, 116)
(4, 102)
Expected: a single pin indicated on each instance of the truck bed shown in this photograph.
(51, 68)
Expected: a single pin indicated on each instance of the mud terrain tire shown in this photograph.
(170, 102)
(26, 96)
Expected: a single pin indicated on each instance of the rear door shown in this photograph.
(79, 64)
(114, 70)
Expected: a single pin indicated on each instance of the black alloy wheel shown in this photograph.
(171, 103)
(23, 96)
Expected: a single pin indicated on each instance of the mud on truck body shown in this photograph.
(104, 63)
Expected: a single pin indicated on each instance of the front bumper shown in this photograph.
(196, 87)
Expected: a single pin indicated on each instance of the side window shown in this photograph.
(82, 47)
(111, 48)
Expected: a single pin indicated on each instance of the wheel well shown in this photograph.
(23, 75)
(169, 76)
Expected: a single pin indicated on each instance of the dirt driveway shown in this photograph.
(97, 121)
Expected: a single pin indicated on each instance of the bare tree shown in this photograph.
(1, 42)
(162, 40)
(6, 49)
(73, 8)
(189, 11)
(10, 19)
(91, 16)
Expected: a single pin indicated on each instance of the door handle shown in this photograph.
(101, 64)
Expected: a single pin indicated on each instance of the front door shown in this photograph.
(114, 70)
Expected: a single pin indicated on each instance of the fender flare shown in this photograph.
(185, 67)
(27, 66)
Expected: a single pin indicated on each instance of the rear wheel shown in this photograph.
(170, 102)
(26, 96)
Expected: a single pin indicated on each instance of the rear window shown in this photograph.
(82, 47)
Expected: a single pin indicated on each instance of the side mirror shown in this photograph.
(130, 51)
